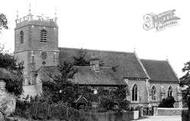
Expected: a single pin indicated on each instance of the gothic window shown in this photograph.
(170, 91)
(43, 35)
(134, 93)
(153, 93)
(21, 37)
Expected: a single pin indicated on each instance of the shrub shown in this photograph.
(167, 103)
(22, 109)
(41, 109)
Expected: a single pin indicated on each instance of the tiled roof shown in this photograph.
(84, 76)
(105, 76)
(126, 63)
(159, 70)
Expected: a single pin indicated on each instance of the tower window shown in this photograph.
(21, 37)
(43, 35)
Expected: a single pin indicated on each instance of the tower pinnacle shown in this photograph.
(55, 14)
(29, 10)
(17, 16)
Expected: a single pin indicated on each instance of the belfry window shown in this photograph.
(153, 93)
(169, 91)
(21, 37)
(43, 35)
(134, 93)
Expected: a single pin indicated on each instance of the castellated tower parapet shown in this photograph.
(38, 20)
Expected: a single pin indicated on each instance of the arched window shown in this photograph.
(134, 93)
(170, 91)
(43, 35)
(21, 37)
(153, 93)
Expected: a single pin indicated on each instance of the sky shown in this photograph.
(115, 25)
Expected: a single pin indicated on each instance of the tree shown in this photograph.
(3, 21)
(81, 59)
(7, 61)
(14, 85)
(185, 84)
(114, 97)
(61, 89)
(185, 80)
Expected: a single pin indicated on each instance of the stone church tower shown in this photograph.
(36, 44)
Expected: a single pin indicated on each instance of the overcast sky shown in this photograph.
(110, 25)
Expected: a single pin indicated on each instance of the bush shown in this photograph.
(167, 103)
(185, 115)
(22, 109)
(41, 109)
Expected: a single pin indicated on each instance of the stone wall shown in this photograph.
(113, 116)
(168, 111)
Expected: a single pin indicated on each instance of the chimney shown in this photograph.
(95, 64)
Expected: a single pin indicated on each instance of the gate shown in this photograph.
(148, 111)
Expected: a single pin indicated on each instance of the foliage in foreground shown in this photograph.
(185, 83)
(40, 109)
(13, 85)
(64, 90)
(3, 21)
(59, 96)
(167, 102)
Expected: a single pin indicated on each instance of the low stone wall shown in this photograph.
(168, 111)
(113, 116)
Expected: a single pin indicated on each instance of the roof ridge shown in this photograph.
(154, 60)
(98, 50)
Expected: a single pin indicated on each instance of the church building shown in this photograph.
(36, 44)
